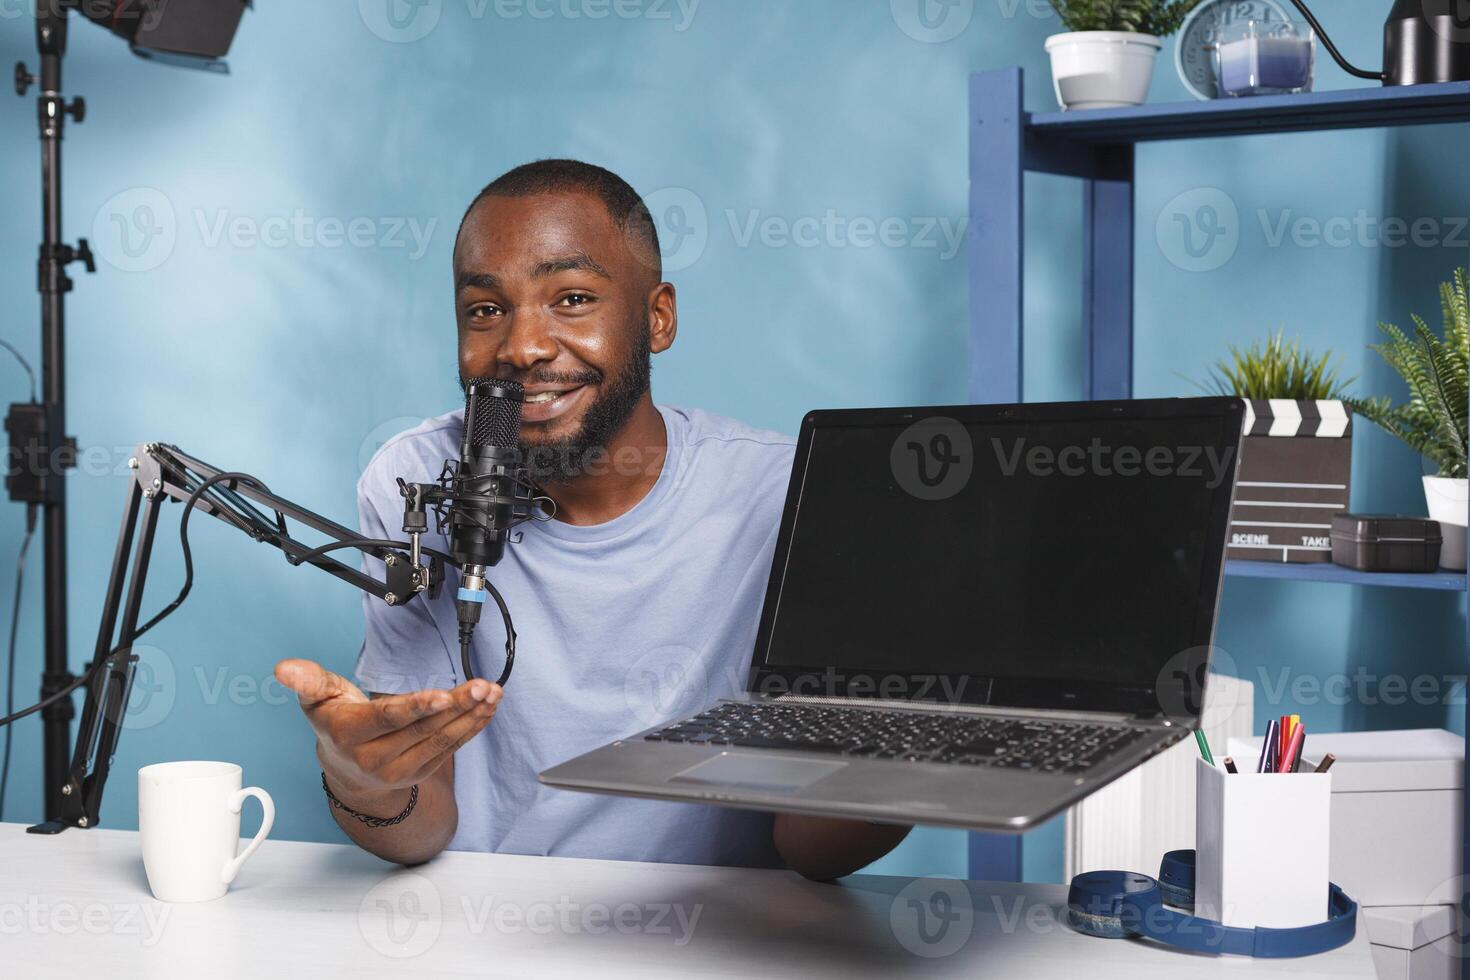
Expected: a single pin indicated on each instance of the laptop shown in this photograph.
(976, 616)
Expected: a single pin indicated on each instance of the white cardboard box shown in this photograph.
(1397, 801)
(1413, 942)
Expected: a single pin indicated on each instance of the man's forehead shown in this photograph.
(524, 232)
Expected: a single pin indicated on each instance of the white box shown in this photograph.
(1398, 800)
(1413, 942)
(1261, 847)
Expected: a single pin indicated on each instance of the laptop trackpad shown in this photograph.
(758, 772)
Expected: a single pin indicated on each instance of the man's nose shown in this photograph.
(528, 343)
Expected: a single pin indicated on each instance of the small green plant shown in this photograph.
(1437, 370)
(1276, 370)
(1157, 17)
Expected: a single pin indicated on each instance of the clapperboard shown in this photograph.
(1295, 466)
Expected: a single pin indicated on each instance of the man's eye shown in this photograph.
(576, 299)
(483, 311)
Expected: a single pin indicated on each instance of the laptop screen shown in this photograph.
(1051, 556)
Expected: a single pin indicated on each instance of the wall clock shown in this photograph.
(1194, 54)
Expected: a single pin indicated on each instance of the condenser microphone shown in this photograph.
(483, 510)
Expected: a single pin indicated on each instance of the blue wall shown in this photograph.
(290, 307)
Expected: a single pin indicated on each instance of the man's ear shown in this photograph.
(663, 317)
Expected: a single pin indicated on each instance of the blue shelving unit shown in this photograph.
(1328, 572)
(1099, 147)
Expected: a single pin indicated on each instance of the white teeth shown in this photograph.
(542, 397)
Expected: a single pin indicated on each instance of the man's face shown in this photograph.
(551, 292)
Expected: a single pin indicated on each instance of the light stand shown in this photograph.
(193, 33)
(38, 431)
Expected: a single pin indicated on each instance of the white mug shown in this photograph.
(189, 819)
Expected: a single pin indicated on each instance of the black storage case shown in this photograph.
(1386, 542)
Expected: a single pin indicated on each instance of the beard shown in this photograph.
(566, 458)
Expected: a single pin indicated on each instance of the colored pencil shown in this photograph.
(1266, 747)
(1293, 750)
(1204, 746)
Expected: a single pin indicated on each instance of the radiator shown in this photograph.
(1129, 824)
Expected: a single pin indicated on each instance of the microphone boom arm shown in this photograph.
(161, 473)
(168, 471)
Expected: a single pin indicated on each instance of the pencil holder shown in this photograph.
(1262, 847)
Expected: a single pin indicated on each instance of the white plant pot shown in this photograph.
(1449, 504)
(1102, 69)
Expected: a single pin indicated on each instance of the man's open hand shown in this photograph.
(369, 747)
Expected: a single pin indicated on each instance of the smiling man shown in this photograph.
(638, 602)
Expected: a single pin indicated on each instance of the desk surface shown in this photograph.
(313, 910)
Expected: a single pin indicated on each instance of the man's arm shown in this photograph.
(425, 833)
(825, 848)
(373, 751)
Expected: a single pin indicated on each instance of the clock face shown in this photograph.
(1194, 54)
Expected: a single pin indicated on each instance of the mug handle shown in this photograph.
(267, 817)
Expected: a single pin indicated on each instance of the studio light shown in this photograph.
(190, 33)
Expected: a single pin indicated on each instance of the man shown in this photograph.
(639, 600)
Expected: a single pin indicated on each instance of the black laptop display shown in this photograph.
(1052, 556)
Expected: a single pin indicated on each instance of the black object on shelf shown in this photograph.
(1386, 542)
(1424, 41)
(1296, 464)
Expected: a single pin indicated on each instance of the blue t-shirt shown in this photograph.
(620, 626)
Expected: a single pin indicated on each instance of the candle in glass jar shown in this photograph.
(1256, 65)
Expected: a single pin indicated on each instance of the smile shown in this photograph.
(542, 406)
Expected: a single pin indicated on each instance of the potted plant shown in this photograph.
(1106, 58)
(1296, 458)
(1433, 421)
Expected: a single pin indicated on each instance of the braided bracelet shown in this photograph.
(413, 800)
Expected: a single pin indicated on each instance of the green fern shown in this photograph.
(1157, 17)
(1276, 370)
(1437, 370)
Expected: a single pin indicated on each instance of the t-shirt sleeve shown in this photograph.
(402, 648)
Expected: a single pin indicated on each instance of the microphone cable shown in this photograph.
(86, 676)
(20, 568)
(465, 635)
(20, 571)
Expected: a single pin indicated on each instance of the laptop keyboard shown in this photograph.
(908, 736)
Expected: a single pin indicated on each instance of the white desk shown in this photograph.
(80, 902)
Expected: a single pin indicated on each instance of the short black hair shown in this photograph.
(617, 195)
